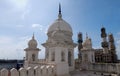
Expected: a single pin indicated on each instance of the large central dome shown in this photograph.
(60, 24)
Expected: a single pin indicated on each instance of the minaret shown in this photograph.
(111, 42)
(112, 48)
(104, 40)
(80, 40)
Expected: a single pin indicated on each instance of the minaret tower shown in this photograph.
(104, 40)
(31, 53)
(80, 40)
(112, 48)
(111, 42)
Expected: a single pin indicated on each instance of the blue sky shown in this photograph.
(20, 18)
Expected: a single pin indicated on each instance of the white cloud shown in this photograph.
(19, 4)
(37, 26)
(25, 13)
(15, 9)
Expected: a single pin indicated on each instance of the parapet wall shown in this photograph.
(105, 67)
(36, 71)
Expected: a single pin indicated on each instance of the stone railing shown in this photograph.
(36, 71)
(105, 67)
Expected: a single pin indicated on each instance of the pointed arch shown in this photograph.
(26, 56)
(86, 57)
(47, 54)
(70, 58)
(33, 57)
(53, 56)
(92, 58)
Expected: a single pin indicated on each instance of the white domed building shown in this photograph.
(59, 48)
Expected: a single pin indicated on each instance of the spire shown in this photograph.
(59, 8)
(33, 36)
(86, 35)
(59, 15)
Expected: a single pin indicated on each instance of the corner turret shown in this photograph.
(31, 52)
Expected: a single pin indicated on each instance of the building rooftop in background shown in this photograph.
(9, 64)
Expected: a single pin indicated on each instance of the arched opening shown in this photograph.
(26, 57)
(53, 56)
(33, 57)
(47, 54)
(69, 58)
(62, 56)
(86, 58)
(92, 58)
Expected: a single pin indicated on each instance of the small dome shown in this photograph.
(60, 24)
(32, 43)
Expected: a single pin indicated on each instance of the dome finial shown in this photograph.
(59, 8)
(86, 35)
(32, 43)
(59, 15)
(33, 36)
